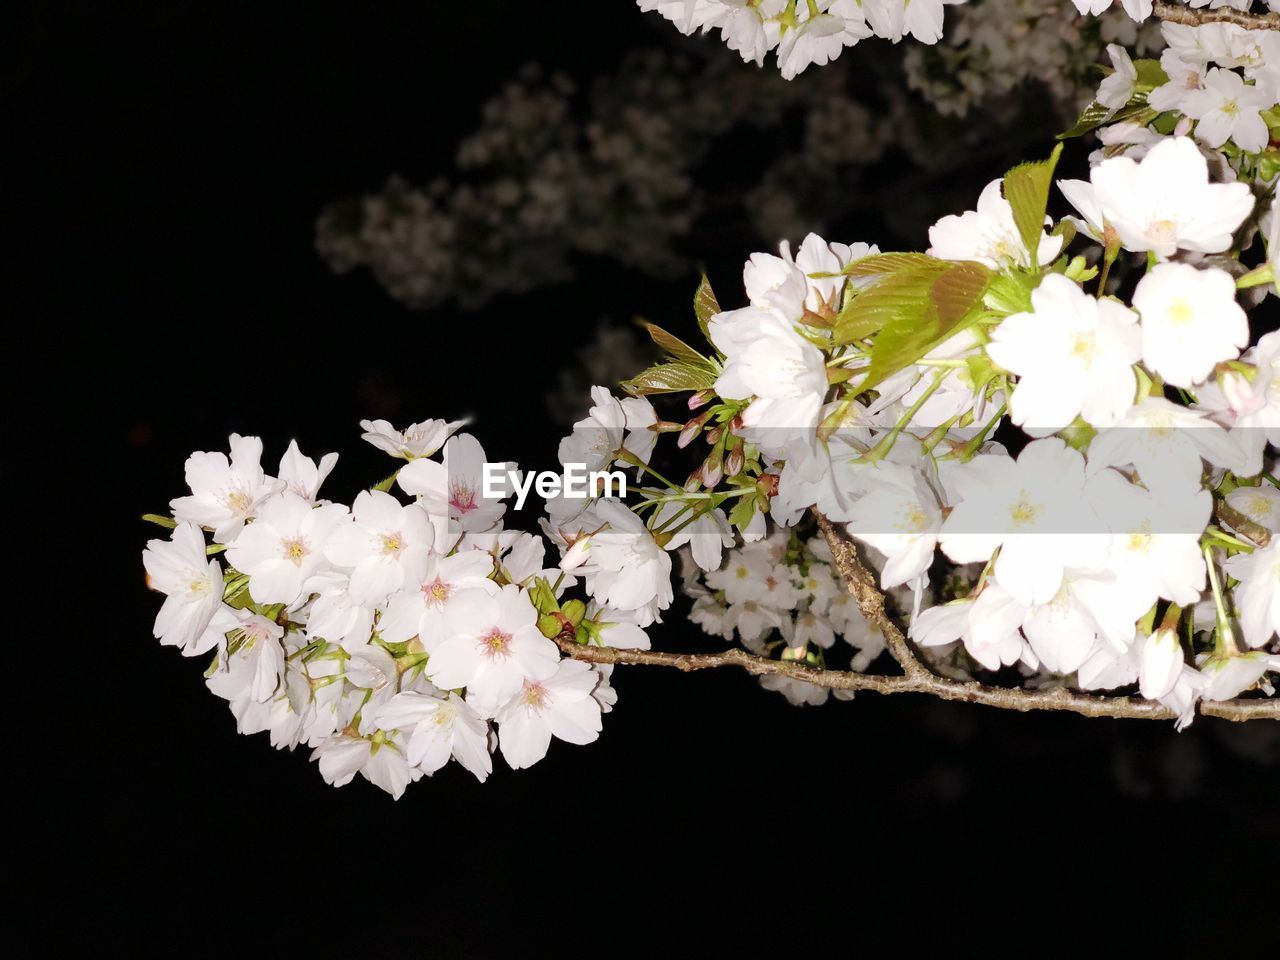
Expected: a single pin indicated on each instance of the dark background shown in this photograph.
(169, 293)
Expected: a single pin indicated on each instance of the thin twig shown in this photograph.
(1176, 13)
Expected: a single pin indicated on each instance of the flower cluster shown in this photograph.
(781, 595)
(871, 384)
(1053, 438)
(803, 31)
(388, 636)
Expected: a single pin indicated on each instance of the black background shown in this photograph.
(169, 293)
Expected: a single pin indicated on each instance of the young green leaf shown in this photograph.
(1026, 187)
(952, 300)
(672, 345)
(705, 305)
(673, 377)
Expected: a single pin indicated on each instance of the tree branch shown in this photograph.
(916, 676)
(1238, 522)
(1176, 13)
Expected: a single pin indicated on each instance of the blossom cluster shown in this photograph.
(782, 595)
(387, 636)
(1091, 554)
(803, 32)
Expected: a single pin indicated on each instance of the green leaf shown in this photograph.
(676, 348)
(1150, 76)
(1026, 187)
(167, 522)
(741, 513)
(951, 301)
(705, 305)
(879, 264)
(1010, 293)
(900, 296)
(673, 377)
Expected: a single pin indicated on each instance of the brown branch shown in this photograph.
(1238, 522)
(862, 587)
(916, 676)
(1176, 13)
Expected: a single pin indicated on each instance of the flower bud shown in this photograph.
(699, 399)
(692, 429)
(712, 470)
(713, 435)
(577, 554)
(733, 462)
(1161, 664)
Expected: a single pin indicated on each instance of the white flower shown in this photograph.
(1165, 442)
(1190, 321)
(284, 546)
(418, 440)
(1073, 355)
(1117, 89)
(988, 235)
(378, 761)
(617, 629)
(1161, 665)
(438, 728)
(742, 578)
(1064, 630)
(640, 420)
(1138, 10)
(1034, 510)
(420, 611)
(786, 374)
(559, 705)
(813, 629)
(1226, 677)
(597, 438)
(824, 30)
(1155, 548)
(1165, 202)
(752, 30)
(626, 569)
(252, 665)
(452, 492)
(334, 616)
(492, 647)
(1227, 108)
(707, 536)
(224, 493)
(1258, 593)
(1249, 405)
(192, 584)
(989, 626)
(900, 517)
(1184, 77)
(301, 475)
(385, 545)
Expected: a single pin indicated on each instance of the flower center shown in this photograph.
(294, 549)
(392, 544)
(1163, 231)
(1181, 313)
(496, 644)
(436, 592)
(534, 696)
(238, 501)
(462, 497)
(1023, 512)
(1083, 347)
